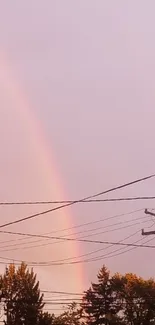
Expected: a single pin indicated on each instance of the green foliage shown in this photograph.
(139, 299)
(113, 300)
(72, 316)
(20, 290)
(46, 319)
(120, 299)
(100, 302)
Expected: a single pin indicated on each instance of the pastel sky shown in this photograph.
(77, 104)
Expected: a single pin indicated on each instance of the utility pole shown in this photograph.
(148, 233)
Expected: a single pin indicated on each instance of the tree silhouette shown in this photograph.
(120, 299)
(22, 299)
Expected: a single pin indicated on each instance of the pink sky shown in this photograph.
(87, 72)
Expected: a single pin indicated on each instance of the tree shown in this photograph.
(72, 316)
(23, 302)
(138, 297)
(46, 319)
(120, 299)
(100, 302)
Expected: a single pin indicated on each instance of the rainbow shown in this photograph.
(35, 136)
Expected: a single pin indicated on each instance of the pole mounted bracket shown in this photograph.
(148, 233)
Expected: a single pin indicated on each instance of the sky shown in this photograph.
(77, 110)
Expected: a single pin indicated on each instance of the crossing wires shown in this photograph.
(78, 201)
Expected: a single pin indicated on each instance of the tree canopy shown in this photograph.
(120, 299)
(23, 302)
(113, 300)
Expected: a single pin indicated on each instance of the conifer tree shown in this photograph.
(22, 299)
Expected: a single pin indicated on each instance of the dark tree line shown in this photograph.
(120, 299)
(114, 299)
(21, 298)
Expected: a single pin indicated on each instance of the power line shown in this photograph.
(105, 248)
(92, 252)
(62, 292)
(73, 257)
(18, 245)
(51, 302)
(134, 198)
(64, 238)
(133, 245)
(74, 202)
(115, 229)
(130, 249)
(63, 299)
(53, 310)
(76, 239)
(88, 241)
(59, 303)
(99, 257)
(119, 215)
(76, 226)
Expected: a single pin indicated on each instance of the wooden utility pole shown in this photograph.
(152, 232)
(148, 233)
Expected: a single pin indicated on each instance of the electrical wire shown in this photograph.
(75, 202)
(101, 242)
(77, 226)
(62, 292)
(92, 252)
(105, 248)
(109, 254)
(79, 240)
(63, 299)
(70, 258)
(19, 247)
(99, 258)
(134, 246)
(134, 198)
